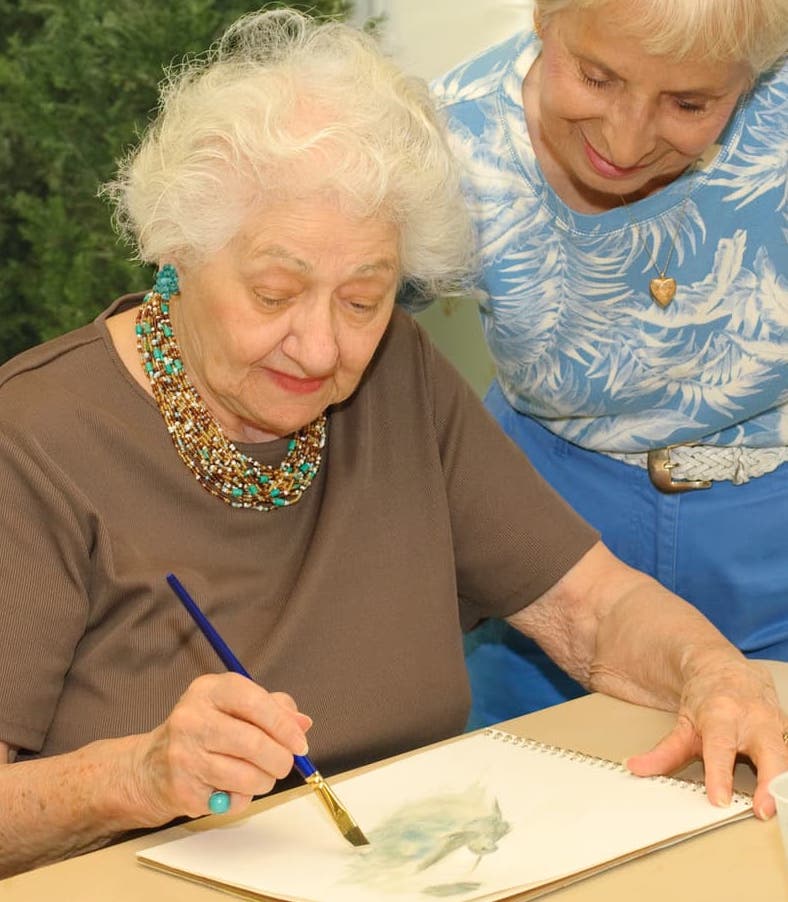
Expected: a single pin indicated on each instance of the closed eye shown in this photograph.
(594, 82)
(362, 307)
(273, 302)
(690, 106)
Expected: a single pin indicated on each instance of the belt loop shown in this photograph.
(659, 472)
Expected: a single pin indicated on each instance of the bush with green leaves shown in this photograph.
(78, 83)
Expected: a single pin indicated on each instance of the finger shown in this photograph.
(672, 752)
(237, 740)
(245, 700)
(238, 775)
(719, 759)
(771, 759)
(193, 774)
(285, 700)
(303, 720)
(717, 748)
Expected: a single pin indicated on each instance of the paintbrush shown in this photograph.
(339, 814)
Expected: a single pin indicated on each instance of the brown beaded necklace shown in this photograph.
(216, 463)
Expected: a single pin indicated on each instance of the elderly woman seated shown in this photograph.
(268, 426)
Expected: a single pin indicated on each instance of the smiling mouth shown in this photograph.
(605, 168)
(296, 384)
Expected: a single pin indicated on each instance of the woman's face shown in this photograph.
(612, 120)
(282, 322)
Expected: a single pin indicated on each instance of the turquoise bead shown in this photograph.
(219, 802)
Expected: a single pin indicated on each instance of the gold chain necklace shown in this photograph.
(213, 459)
(662, 287)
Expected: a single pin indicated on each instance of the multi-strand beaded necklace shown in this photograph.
(216, 463)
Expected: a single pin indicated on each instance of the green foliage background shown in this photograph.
(78, 82)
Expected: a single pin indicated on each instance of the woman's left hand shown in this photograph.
(618, 631)
(727, 709)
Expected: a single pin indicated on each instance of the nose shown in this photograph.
(630, 132)
(312, 339)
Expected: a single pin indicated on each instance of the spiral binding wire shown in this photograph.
(741, 799)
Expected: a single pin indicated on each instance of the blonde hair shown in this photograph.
(284, 106)
(751, 31)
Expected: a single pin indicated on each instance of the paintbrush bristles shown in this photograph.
(339, 814)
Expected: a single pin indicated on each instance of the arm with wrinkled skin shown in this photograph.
(620, 632)
(225, 732)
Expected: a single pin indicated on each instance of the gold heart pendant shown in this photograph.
(662, 290)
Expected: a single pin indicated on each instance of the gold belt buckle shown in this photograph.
(659, 472)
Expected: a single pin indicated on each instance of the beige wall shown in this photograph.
(428, 37)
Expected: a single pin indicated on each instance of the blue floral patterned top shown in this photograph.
(578, 342)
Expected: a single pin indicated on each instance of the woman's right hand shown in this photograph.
(226, 732)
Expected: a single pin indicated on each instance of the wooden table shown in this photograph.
(738, 862)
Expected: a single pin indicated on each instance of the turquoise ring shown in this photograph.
(219, 802)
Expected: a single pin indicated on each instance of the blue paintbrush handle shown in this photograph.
(302, 763)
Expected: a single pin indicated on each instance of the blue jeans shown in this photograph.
(724, 549)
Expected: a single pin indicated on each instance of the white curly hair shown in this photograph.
(285, 106)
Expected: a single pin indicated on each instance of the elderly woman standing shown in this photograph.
(625, 164)
(264, 424)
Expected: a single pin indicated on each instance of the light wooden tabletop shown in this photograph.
(740, 861)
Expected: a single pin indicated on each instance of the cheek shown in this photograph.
(566, 103)
(691, 141)
(243, 347)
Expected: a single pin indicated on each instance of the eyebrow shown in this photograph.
(385, 264)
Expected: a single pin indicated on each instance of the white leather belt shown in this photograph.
(681, 468)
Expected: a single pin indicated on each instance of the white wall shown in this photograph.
(427, 37)
(430, 36)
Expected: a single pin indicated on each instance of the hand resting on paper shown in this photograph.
(727, 709)
(618, 631)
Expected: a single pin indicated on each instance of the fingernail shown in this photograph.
(305, 751)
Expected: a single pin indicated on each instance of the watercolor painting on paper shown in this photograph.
(432, 846)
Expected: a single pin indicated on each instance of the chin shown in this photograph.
(290, 424)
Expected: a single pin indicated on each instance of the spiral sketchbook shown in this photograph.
(487, 816)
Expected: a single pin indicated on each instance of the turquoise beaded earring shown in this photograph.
(166, 283)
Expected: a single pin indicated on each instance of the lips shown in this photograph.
(295, 384)
(605, 168)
